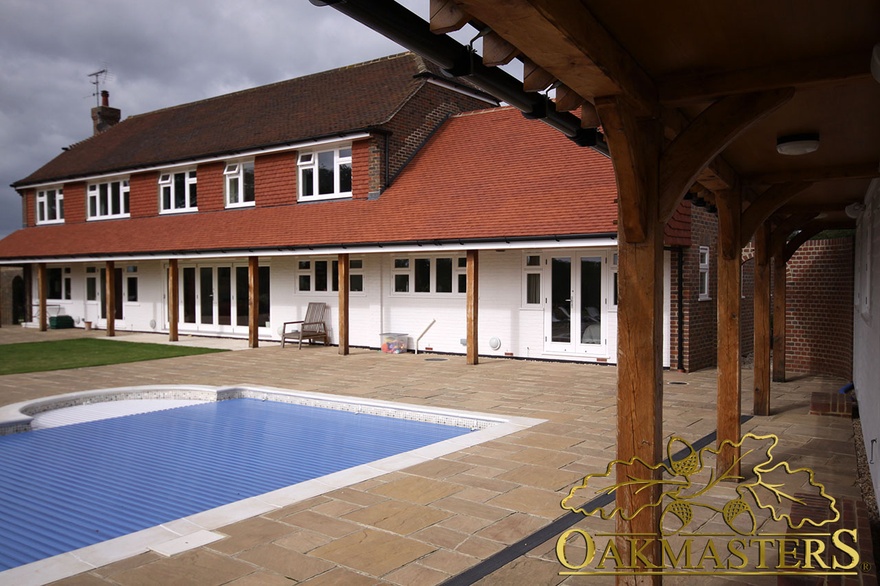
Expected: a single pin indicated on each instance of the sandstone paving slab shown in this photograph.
(373, 552)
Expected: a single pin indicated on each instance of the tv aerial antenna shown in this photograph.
(99, 77)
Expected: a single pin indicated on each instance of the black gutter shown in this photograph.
(395, 22)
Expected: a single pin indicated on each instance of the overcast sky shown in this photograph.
(158, 53)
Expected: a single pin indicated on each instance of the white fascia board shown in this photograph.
(294, 146)
(411, 248)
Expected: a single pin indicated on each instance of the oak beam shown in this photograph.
(497, 51)
(866, 170)
(762, 321)
(42, 292)
(536, 79)
(567, 99)
(446, 17)
(631, 155)
(687, 89)
(473, 297)
(765, 205)
(563, 36)
(253, 302)
(779, 325)
(706, 136)
(807, 232)
(784, 229)
(589, 116)
(110, 297)
(729, 294)
(343, 262)
(635, 148)
(173, 300)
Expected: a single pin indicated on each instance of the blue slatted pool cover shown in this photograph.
(68, 487)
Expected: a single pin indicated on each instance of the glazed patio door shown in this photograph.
(575, 304)
(214, 298)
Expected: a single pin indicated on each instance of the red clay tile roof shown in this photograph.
(678, 228)
(324, 104)
(484, 175)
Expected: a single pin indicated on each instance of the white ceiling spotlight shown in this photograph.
(798, 144)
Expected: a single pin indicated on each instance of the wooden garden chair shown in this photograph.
(310, 328)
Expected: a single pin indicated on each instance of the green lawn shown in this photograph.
(77, 353)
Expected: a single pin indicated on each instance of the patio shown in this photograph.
(433, 521)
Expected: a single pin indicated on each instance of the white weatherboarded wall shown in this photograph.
(866, 328)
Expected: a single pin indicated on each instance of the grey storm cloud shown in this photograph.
(158, 54)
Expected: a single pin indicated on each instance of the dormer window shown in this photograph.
(239, 184)
(325, 174)
(50, 206)
(177, 191)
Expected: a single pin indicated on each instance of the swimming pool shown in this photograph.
(72, 487)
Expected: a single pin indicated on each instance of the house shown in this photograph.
(401, 172)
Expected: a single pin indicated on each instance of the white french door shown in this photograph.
(214, 298)
(578, 303)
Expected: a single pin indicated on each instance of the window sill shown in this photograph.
(332, 197)
(237, 206)
(49, 223)
(102, 218)
(180, 211)
(704, 298)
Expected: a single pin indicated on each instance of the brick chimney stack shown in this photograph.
(103, 116)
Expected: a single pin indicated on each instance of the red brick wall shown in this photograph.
(700, 317)
(362, 169)
(30, 207)
(74, 203)
(210, 181)
(819, 308)
(418, 119)
(275, 179)
(143, 194)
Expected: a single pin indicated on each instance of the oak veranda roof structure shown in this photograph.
(489, 175)
(691, 97)
(349, 99)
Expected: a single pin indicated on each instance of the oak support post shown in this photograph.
(635, 150)
(110, 297)
(729, 362)
(253, 302)
(42, 288)
(343, 262)
(473, 296)
(779, 326)
(173, 300)
(762, 321)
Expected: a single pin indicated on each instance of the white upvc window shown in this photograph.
(50, 206)
(131, 284)
(704, 273)
(58, 284)
(239, 180)
(177, 191)
(324, 174)
(318, 275)
(108, 199)
(531, 280)
(444, 275)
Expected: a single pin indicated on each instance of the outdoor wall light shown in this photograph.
(854, 210)
(797, 144)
